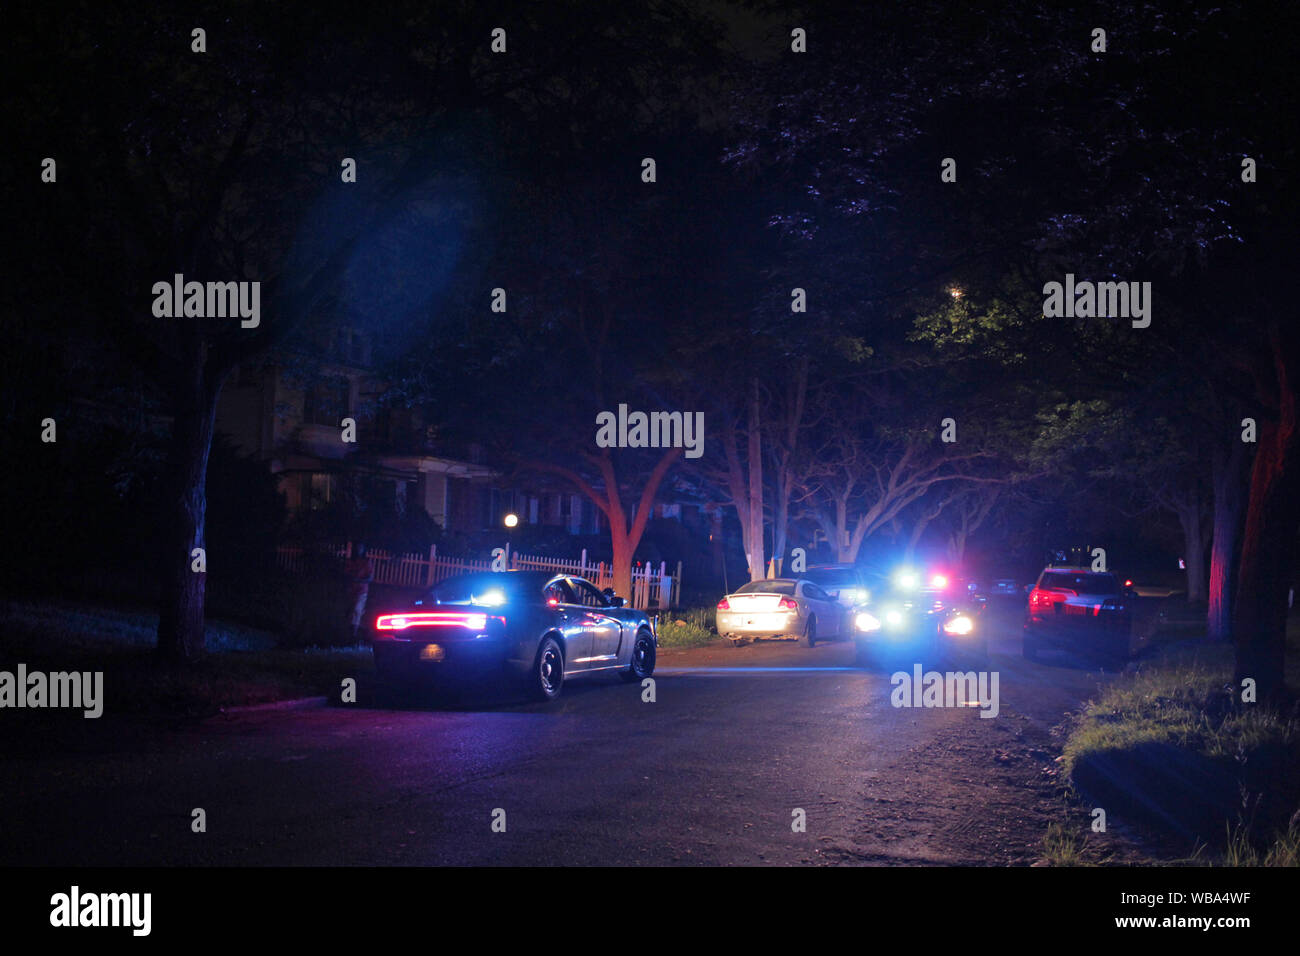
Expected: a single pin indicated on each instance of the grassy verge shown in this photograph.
(1171, 748)
(1063, 846)
(244, 665)
(690, 627)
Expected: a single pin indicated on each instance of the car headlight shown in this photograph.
(905, 579)
(865, 621)
(894, 617)
(961, 624)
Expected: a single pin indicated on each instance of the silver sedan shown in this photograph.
(780, 608)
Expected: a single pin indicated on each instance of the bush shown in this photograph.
(687, 628)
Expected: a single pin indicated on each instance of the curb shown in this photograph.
(300, 703)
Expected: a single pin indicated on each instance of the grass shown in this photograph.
(243, 666)
(689, 627)
(1172, 746)
(1187, 702)
(1284, 851)
(1062, 846)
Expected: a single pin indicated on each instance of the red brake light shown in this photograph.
(723, 605)
(1128, 583)
(1040, 597)
(787, 604)
(400, 622)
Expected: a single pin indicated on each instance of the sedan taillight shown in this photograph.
(1039, 597)
(724, 605)
(788, 604)
(400, 622)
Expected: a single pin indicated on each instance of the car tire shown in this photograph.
(641, 665)
(810, 632)
(547, 676)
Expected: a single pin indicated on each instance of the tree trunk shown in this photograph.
(957, 547)
(844, 552)
(1264, 573)
(780, 524)
(914, 538)
(625, 537)
(1189, 518)
(784, 464)
(1229, 485)
(754, 549)
(622, 549)
(181, 607)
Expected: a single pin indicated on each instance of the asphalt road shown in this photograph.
(712, 772)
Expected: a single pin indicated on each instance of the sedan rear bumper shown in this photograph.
(433, 657)
(759, 624)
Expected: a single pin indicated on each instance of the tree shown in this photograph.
(1132, 163)
(224, 164)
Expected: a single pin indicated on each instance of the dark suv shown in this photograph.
(1080, 610)
(847, 583)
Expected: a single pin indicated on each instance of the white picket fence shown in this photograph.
(651, 587)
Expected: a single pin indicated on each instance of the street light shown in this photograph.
(511, 520)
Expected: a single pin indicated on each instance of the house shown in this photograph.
(287, 409)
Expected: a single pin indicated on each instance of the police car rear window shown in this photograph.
(1083, 583)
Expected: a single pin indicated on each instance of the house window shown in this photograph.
(320, 491)
(326, 401)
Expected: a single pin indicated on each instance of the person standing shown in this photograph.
(359, 571)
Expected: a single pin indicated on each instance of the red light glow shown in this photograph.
(400, 622)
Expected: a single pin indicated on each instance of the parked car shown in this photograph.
(1006, 587)
(846, 583)
(849, 584)
(1080, 610)
(534, 627)
(779, 608)
(917, 616)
